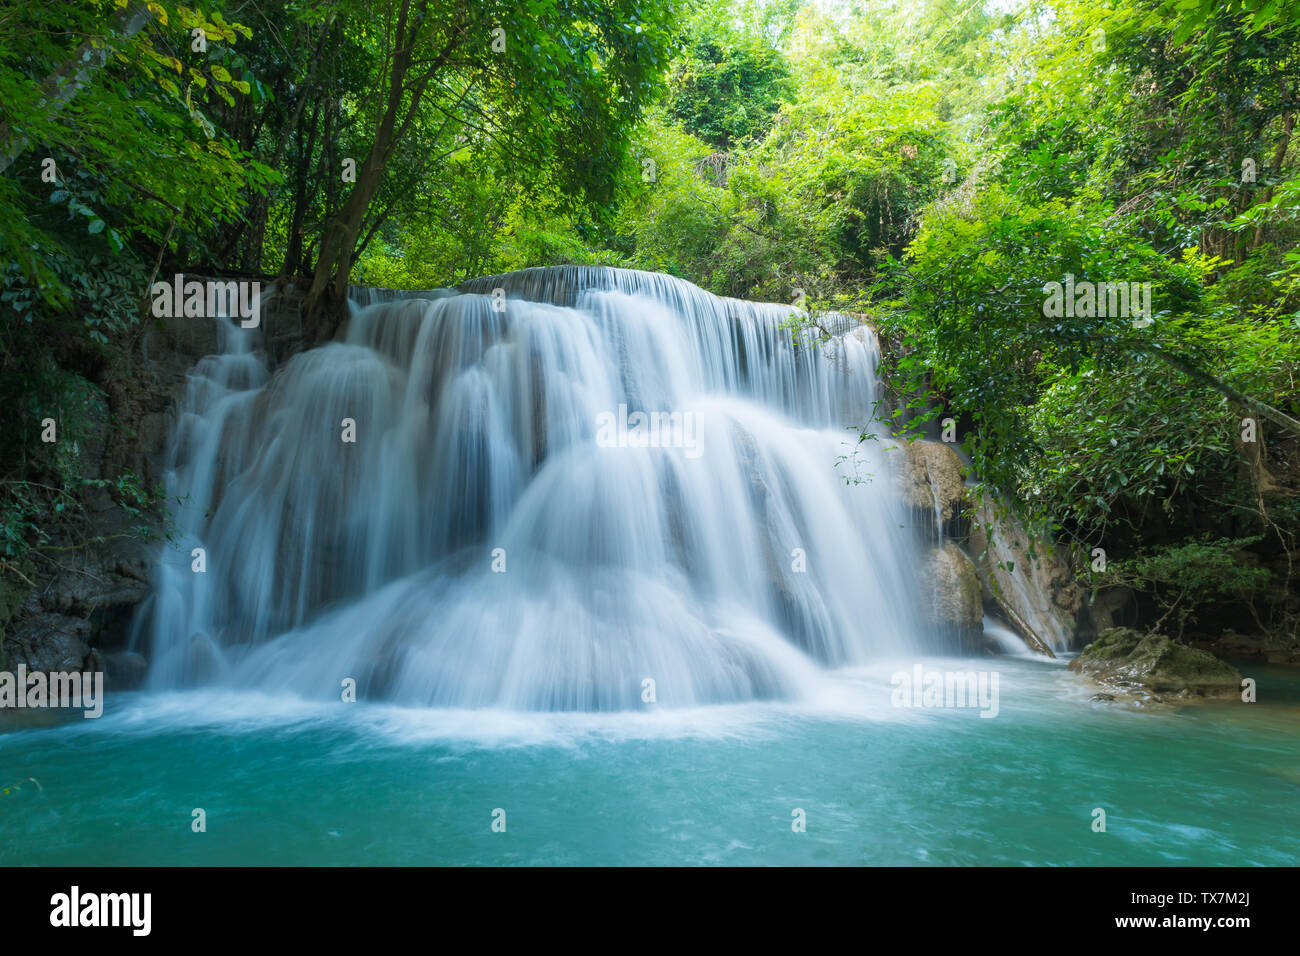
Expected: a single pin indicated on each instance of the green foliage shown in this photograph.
(728, 86)
(110, 158)
(1114, 160)
(1104, 455)
(1186, 577)
(105, 134)
(1195, 15)
(975, 326)
(814, 199)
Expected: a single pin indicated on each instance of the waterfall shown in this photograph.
(566, 489)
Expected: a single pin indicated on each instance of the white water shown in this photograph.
(476, 430)
(1006, 640)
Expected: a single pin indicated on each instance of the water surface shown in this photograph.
(292, 782)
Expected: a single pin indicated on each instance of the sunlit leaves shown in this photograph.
(120, 142)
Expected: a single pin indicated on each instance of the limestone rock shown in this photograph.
(1275, 646)
(1127, 659)
(950, 590)
(1028, 577)
(930, 477)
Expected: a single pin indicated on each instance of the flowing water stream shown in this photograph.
(505, 530)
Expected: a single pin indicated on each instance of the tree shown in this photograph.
(553, 84)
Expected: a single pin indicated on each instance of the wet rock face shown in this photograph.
(950, 590)
(1028, 578)
(124, 670)
(50, 642)
(1126, 659)
(100, 582)
(86, 602)
(1272, 647)
(930, 478)
(81, 593)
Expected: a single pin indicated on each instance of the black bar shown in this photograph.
(330, 905)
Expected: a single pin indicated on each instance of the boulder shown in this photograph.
(124, 670)
(950, 590)
(1125, 658)
(99, 580)
(86, 598)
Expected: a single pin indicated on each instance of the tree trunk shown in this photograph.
(293, 251)
(325, 304)
(65, 83)
(1264, 410)
(1288, 126)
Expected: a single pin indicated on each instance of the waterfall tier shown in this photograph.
(565, 489)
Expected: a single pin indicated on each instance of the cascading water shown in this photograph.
(506, 531)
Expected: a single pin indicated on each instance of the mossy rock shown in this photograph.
(1126, 657)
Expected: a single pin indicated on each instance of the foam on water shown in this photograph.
(863, 694)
